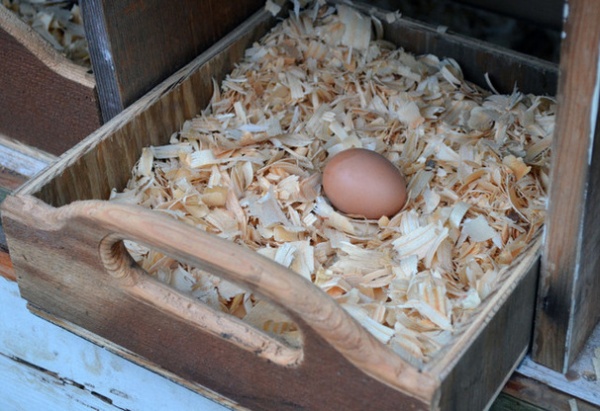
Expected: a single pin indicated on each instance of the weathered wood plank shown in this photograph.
(582, 381)
(46, 101)
(509, 330)
(18, 163)
(24, 386)
(22, 160)
(135, 44)
(531, 391)
(568, 305)
(45, 367)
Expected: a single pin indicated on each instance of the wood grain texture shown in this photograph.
(45, 367)
(568, 307)
(534, 392)
(46, 101)
(581, 381)
(45, 390)
(136, 44)
(18, 163)
(337, 352)
(505, 323)
(59, 269)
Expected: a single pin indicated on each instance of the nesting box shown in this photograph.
(66, 244)
(47, 101)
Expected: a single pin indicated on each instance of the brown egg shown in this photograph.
(362, 182)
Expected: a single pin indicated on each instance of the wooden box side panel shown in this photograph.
(80, 291)
(495, 352)
(568, 307)
(45, 100)
(135, 44)
(104, 160)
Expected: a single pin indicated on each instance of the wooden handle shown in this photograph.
(312, 309)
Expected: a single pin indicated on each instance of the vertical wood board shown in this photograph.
(510, 330)
(568, 305)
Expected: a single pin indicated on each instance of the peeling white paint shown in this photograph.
(21, 159)
(107, 56)
(594, 109)
(45, 367)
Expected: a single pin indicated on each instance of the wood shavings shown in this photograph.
(478, 229)
(248, 169)
(58, 22)
(272, 7)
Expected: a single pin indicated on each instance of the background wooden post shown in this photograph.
(569, 289)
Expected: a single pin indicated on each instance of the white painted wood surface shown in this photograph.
(25, 160)
(44, 367)
(581, 381)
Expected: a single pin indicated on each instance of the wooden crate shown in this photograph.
(66, 247)
(46, 101)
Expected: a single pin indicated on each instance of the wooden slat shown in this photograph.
(568, 304)
(46, 101)
(45, 367)
(135, 44)
(529, 391)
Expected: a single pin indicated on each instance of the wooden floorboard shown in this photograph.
(582, 381)
(45, 367)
